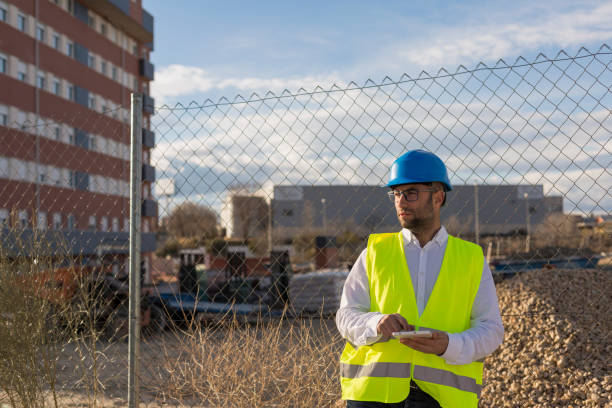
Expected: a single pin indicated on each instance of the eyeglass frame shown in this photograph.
(393, 197)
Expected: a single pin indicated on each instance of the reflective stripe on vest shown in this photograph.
(443, 377)
(402, 370)
(395, 370)
(382, 371)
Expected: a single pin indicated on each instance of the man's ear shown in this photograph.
(439, 197)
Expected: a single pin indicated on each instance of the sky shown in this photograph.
(209, 49)
(214, 51)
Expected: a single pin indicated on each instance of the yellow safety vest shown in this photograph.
(382, 371)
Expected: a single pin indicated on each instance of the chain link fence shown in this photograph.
(254, 209)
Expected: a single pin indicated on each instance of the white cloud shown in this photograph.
(450, 47)
(177, 80)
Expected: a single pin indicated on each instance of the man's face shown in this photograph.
(419, 213)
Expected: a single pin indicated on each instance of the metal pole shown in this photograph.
(270, 245)
(476, 220)
(323, 201)
(135, 230)
(527, 221)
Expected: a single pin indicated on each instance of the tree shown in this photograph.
(558, 230)
(191, 220)
(251, 215)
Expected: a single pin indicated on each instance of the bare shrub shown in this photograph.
(286, 363)
(558, 230)
(29, 320)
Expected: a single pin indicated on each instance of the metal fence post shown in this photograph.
(135, 230)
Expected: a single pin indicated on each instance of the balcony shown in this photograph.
(81, 53)
(81, 138)
(123, 5)
(148, 173)
(75, 242)
(148, 138)
(81, 96)
(148, 104)
(149, 208)
(118, 13)
(146, 69)
(147, 21)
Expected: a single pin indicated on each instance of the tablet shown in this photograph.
(412, 334)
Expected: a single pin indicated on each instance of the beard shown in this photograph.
(422, 217)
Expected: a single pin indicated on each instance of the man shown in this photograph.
(418, 279)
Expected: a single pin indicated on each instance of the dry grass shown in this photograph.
(49, 324)
(286, 363)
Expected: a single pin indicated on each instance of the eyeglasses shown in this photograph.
(411, 194)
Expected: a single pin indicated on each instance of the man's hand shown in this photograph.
(437, 344)
(392, 323)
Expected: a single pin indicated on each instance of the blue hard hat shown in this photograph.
(418, 166)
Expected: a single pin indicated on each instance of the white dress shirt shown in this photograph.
(358, 325)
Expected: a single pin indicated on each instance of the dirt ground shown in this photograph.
(556, 353)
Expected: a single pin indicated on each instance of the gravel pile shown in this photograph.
(558, 343)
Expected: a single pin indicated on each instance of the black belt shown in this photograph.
(417, 394)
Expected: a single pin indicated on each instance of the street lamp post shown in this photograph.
(528, 222)
(323, 201)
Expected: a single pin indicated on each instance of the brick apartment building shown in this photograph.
(67, 69)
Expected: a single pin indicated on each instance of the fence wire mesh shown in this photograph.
(254, 209)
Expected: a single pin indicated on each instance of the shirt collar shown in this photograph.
(439, 239)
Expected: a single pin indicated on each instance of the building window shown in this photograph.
(42, 173)
(23, 219)
(71, 222)
(70, 92)
(22, 22)
(103, 67)
(21, 71)
(91, 60)
(40, 80)
(57, 132)
(4, 217)
(91, 102)
(3, 115)
(41, 221)
(104, 224)
(21, 120)
(114, 73)
(103, 28)
(4, 167)
(56, 41)
(56, 86)
(57, 221)
(126, 224)
(92, 223)
(69, 48)
(115, 224)
(3, 64)
(40, 33)
(3, 12)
